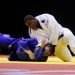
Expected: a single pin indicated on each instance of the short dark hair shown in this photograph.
(52, 47)
(28, 17)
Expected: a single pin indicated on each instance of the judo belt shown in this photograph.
(53, 46)
(60, 36)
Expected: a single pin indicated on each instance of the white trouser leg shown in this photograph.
(70, 38)
(72, 45)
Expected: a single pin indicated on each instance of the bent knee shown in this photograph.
(67, 60)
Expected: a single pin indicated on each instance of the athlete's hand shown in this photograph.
(43, 43)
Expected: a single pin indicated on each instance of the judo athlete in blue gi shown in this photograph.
(27, 50)
(21, 49)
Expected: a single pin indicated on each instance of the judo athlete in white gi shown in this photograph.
(46, 27)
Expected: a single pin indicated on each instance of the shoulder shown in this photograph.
(42, 18)
(45, 14)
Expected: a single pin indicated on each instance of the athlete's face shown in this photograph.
(32, 24)
(47, 52)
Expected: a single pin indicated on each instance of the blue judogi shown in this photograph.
(30, 45)
(20, 47)
(24, 46)
(5, 40)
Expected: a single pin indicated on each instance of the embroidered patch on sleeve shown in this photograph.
(43, 21)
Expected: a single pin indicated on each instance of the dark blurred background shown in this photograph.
(13, 12)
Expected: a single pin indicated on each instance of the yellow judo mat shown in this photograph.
(51, 60)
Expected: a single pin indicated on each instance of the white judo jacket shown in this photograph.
(50, 31)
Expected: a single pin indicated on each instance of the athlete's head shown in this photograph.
(41, 54)
(31, 22)
(48, 50)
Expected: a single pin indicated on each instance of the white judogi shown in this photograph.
(51, 30)
(39, 34)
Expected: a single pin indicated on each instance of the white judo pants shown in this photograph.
(61, 50)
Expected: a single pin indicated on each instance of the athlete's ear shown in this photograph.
(51, 48)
